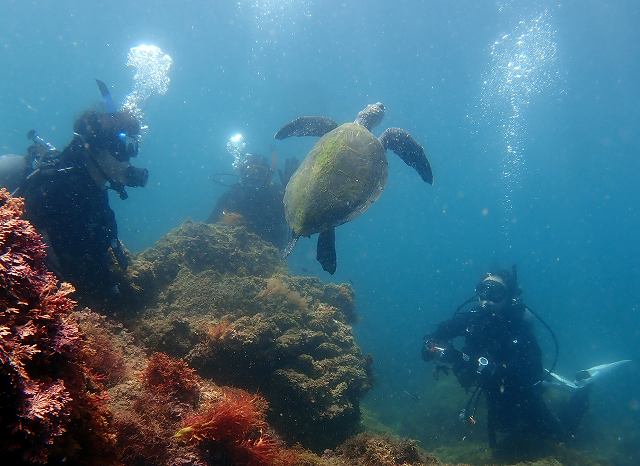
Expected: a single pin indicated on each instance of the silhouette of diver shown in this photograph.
(256, 201)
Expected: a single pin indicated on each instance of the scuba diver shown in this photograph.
(66, 199)
(255, 201)
(502, 359)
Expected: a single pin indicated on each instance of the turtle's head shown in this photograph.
(371, 115)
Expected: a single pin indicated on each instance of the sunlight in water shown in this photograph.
(523, 65)
(236, 147)
(151, 77)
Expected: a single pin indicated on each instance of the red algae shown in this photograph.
(51, 405)
(171, 377)
(235, 428)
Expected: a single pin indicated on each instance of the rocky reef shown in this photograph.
(381, 450)
(52, 405)
(220, 298)
(219, 358)
(164, 413)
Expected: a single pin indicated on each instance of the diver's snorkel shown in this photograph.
(106, 96)
(133, 176)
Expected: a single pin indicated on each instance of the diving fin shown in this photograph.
(588, 376)
(584, 377)
(326, 250)
(557, 380)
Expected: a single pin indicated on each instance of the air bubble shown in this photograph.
(523, 65)
(151, 77)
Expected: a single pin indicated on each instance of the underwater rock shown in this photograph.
(55, 359)
(112, 352)
(219, 297)
(381, 450)
(165, 414)
(199, 247)
(306, 364)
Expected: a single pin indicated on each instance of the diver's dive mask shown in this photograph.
(126, 146)
(491, 290)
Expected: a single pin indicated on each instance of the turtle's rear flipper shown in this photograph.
(326, 251)
(412, 153)
(306, 126)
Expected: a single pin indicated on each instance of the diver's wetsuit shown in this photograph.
(261, 208)
(72, 211)
(511, 380)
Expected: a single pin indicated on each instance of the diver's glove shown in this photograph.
(433, 350)
(429, 352)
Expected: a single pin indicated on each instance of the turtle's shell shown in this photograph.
(340, 178)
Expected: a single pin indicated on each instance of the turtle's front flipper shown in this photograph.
(412, 153)
(306, 126)
(326, 251)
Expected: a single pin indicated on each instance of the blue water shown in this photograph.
(536, 166)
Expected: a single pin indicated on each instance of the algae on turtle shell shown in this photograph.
(343, 174)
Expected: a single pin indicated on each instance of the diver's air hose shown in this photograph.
(537, 316)
(553, 336)
(467, 301)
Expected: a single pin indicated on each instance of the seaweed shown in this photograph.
(52, 406)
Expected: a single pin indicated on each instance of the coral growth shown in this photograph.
(219, 331)
(200, 247)
(218, 297)
(170, 416)
(277, 288)
(306, 363)
(105, 355)
(51, 405)
(232, 311)
(376, 450)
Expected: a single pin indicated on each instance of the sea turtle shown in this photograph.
(344, 173)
